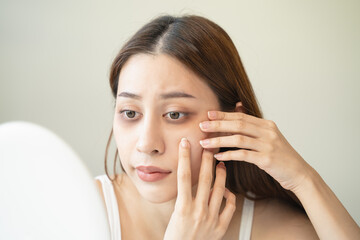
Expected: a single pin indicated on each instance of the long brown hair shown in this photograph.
(206, 49)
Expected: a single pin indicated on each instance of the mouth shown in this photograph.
(151, 173)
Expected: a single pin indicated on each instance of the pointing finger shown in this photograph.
(184, 173)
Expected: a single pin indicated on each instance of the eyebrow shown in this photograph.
(162, 96)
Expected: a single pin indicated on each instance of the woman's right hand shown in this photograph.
(199, 217)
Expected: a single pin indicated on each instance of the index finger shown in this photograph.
(228, 116)
(184, 173)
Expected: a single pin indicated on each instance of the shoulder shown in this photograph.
(114, 179)
(98, 183)
(277, 219)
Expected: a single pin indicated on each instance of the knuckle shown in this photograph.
(212, 218)
(232, 199)
(271, 124)
(240, 139)
(266, 161)
(243, 154)
(232, 206)
(200, 214)
(219, 188)
(221, 115)
(241, 116)
(272, 135)
(196, 224)
(240, 124)
(221, 229)
(270, 147)
(181, 210)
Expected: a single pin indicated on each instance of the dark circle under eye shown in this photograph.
(174, 114)
(132, 115)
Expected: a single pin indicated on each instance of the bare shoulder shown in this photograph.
(277, 219)
(99, 184)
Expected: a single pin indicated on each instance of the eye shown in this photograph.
(176, 115)
(129, 113)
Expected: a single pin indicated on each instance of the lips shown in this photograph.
(152, 169)
(151, 173)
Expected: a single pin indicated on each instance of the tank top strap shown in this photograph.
(246, 218)
(111, 206)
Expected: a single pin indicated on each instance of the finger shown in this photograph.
(220, 115)
(228, 212)
(218, 190)
(239, 141)
(205, 179)
(184, 173)
(240, 155)
(235, 126)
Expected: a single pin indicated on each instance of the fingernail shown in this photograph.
(222, 165)
(205, 142)
(184, 143)
(212, 114)
(205, 125)
(218, 155)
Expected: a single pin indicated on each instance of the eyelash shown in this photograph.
(185, 114)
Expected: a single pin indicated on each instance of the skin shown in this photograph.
(269, 150)
(185, 205)
(151, 137)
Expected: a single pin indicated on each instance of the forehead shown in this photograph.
(152, 75)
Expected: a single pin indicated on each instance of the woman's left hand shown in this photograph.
(261, 143)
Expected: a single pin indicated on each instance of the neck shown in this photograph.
(162, 211)
(157, 214)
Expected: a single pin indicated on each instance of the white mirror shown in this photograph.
(46, 190)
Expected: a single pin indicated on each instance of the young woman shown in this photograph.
(182, 78)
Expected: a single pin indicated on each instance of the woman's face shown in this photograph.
(151, 117)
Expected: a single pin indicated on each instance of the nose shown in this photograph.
(150, 139)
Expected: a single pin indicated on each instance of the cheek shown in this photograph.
(194, 135)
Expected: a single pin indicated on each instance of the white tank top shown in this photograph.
(114, 218)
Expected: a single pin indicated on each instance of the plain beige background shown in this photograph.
(302, 57)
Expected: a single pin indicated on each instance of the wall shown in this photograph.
(301, 56)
